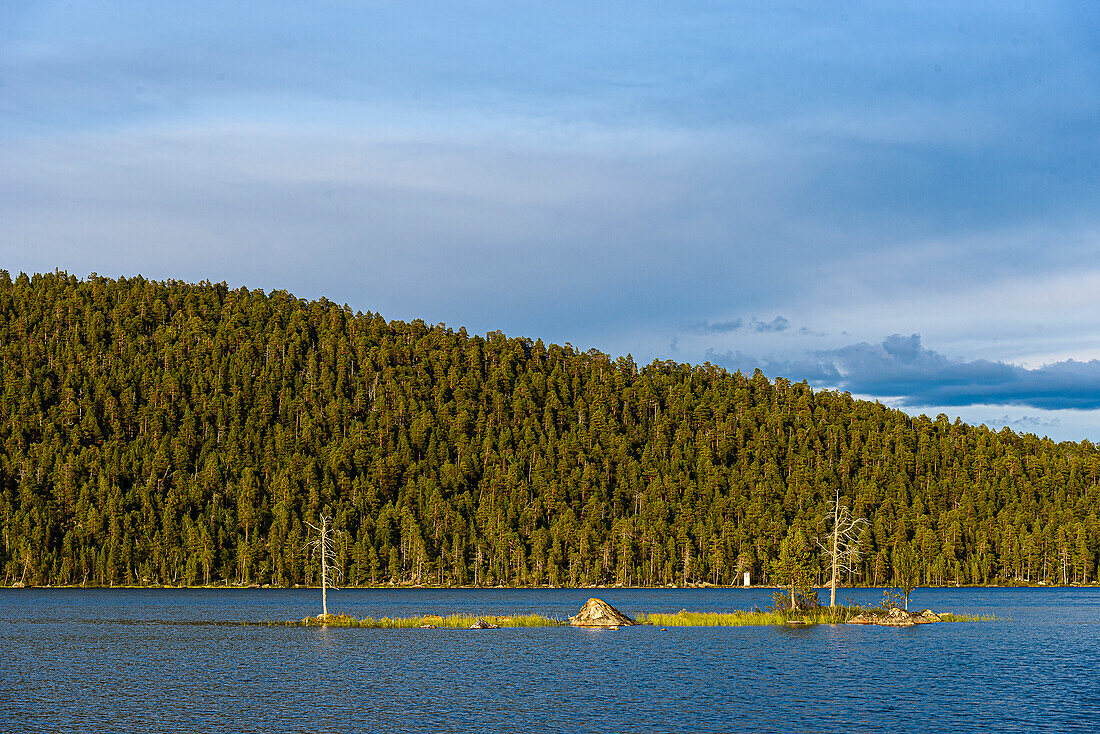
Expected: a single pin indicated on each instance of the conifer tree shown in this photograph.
(175, 433)
(793, 569)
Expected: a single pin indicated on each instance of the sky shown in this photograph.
(897, 200)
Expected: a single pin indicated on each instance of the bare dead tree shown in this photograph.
(324, 545)
(842, 545)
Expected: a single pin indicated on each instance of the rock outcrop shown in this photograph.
(896, 618)
(481, 624)
(598, 613)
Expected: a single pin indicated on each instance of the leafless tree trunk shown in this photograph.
(842, 546)
(324, 545)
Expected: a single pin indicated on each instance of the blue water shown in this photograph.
(136, 660)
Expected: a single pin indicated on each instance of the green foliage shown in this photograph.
(180, 434)
(791, 600)
(907, 571)
(794, 570)
(890, 600)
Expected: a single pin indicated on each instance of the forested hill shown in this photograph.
(184, 434)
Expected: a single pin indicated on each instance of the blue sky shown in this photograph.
(898, 201)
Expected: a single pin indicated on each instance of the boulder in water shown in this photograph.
(598, 613)
(481, 624)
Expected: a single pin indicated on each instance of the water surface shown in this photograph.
(128, 660)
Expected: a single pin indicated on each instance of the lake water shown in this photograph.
(142, 660)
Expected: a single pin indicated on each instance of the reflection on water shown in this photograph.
(111, 660)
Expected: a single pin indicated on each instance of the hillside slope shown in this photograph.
(178, 433)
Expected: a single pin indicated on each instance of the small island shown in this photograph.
(597, 613)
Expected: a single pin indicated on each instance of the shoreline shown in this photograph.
(408, 587)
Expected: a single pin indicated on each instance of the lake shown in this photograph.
(148, 660)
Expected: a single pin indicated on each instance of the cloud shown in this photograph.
(555, 238)
(574, 172)
(777, 324)
(716, 327)
(900, 367)
(1027, 422)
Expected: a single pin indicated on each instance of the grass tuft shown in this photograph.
(452, 621)
(950, 617)
(684, 618)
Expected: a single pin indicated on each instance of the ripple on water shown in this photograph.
(148, 660)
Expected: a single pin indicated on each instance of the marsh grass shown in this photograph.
(452, 621)
(684, 618)
(951, 617)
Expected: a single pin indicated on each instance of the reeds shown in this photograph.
(684, 618)
(951, 617)
(451, 621)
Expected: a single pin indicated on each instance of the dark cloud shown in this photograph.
(901, 367)
(716, 327)
(777, 324)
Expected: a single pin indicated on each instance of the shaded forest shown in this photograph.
(175, 433)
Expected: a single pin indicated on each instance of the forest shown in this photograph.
(187, 434)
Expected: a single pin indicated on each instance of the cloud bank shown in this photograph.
(732, 326)
(901, 368)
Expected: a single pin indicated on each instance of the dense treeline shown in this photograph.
(184, 434)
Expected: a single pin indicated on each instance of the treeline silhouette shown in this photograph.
(175, 433)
